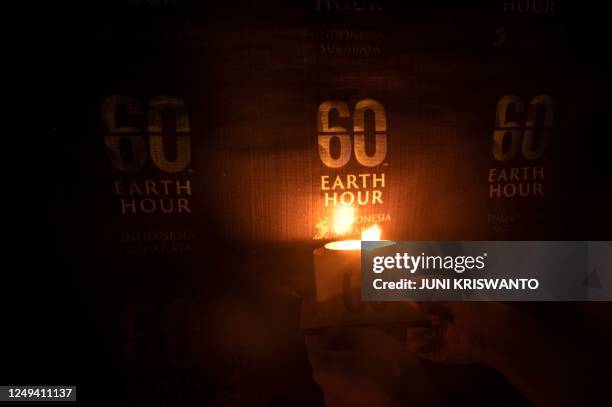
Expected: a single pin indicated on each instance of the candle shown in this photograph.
(337, 272)
(337, 268)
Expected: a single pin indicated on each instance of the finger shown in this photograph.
(419, 338)
(429, 350)
(436, 328)
(426, 343)
(415, 341)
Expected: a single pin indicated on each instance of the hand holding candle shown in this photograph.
(337, 272)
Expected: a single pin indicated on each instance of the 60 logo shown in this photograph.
(522, 137)
(347, 146)
(128, 141)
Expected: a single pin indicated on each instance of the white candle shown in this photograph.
(337, 269)
(337, 272)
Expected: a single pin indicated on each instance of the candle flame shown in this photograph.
(344, 217)
(371, 234)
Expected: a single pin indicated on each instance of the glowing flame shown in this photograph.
(372, 233)
(344, 217)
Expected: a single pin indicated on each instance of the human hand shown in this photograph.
(461, 332)
(356, 366)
